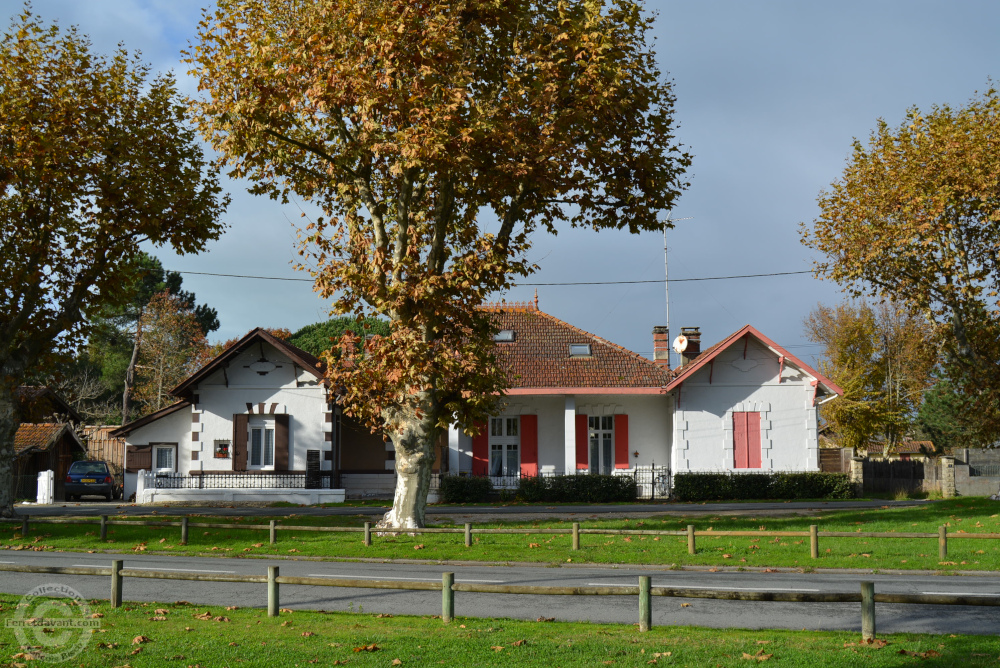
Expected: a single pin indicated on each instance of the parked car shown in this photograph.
(91, 478)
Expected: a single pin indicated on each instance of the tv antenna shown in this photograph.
(666, 277)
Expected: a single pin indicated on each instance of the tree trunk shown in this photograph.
(9, 422)
(413, 439)
(130, 371)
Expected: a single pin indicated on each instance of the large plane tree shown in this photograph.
(95, 159)
(437, 138)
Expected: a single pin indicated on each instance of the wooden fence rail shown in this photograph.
(867, 596)
(813, 534)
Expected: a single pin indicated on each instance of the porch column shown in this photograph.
(569, 447)
(454, 450)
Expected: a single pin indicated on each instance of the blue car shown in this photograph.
(90, 478)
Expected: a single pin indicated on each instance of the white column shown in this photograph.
(454, 450)
(570, 431)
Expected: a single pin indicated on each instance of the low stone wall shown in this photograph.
(300, 496)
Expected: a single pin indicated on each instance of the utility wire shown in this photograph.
(658, 280)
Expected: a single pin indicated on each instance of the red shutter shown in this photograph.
(481, 450)
(529, 445)
(746, 440)
(621, 441)
(740, 454)
(240, 425)
(281, 442)
(582, 439)
(753, 440)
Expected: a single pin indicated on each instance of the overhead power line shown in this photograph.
(658, 280)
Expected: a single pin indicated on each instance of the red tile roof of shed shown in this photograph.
(38, 436)
(539, 355)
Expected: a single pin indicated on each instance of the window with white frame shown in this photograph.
(602, 443)
(164, 458)
(260, 444)
(505, 456)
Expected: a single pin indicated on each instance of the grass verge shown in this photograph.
(178, 634)
(966, 515)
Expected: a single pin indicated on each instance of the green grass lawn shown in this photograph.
(177, 634)
(968, 515)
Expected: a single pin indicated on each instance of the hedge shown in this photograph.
(577, 489)
(465, 489)
(732, 486)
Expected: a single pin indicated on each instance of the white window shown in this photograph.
(164, 457)
(505, 456)
(602, 443)
(261, 444)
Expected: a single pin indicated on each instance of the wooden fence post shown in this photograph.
(116, 583)
(942, 542)
(184, 530)
(645, 604)
(24, 527)
(691, 545)
(813, 541)
(447, 597)
(868, 611)
(368, 534)
(576, 535)
(272, 591)
(273, 531)
(468, 535)
(104, 527)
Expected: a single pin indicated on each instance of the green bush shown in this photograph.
(577, 489)
(465, 489)
(732, 486)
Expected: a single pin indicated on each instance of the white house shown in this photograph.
(254, 422)
(578, 403)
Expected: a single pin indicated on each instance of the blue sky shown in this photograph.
(769, 98)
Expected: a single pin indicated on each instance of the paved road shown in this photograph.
(91, 508)
(623, 609)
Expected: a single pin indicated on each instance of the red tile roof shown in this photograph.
(904, 448)
(37, 436)
(539, 355)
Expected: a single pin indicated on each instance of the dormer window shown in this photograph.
(579, 350)
(504, 336)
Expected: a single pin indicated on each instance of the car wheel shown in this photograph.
(109, 496)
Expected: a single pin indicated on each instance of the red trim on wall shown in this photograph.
(529, 445)
(529, 391)
(582, 438)
(621, 441)
(481, 450)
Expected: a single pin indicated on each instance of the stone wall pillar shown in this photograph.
(947, 476)
(858, 475)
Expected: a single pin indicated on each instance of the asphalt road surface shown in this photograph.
(617, 609)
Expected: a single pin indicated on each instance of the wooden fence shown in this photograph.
(576, 531)
(867, 596)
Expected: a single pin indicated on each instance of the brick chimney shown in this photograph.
(693, 336)
(661, 346)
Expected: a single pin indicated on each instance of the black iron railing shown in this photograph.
(230, 481)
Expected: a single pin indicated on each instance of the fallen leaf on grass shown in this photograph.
(258, 544)
(368, 648)
(181, 603)
(497, 648)
(382, 615)
(518, 643)
(138, 640)
(161, 611)
(759, 656)
(929, 654)
(307, 634)
(533, 545)
(158, 618)
(285, 610)
(542, 619)
(657, 655)
(232, 607)
(397, 662)
(136, 650)
(727, 556)
(97, 615)
(418, 547)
